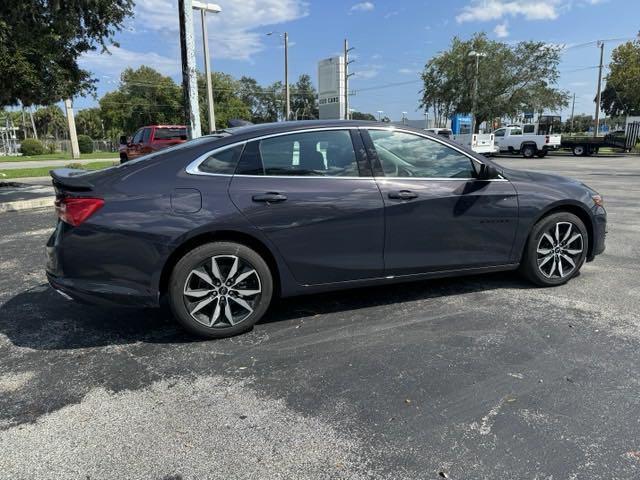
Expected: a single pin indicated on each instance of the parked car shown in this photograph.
(513, 140)
(482, 143)
(443, 132)
(221, 225)
(151, 139)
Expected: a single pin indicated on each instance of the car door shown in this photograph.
(145, 142)
(312, 194)
(499, 138)
(133, 150)
(438, 216)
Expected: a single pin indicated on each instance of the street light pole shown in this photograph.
(287, 94)
(599, 94)
(189, 77)
(204, 8)
(380, 112)
(475, 89)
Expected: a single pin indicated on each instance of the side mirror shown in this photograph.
(123, 139)
(488, 172)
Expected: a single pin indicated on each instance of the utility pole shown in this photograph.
(573, 108)
(346, 78)
(426, 119)
(73, 136)
(598, 96)
(33, 123)
(473, 53)
(189, 77)
(287, 94)
(204, 8)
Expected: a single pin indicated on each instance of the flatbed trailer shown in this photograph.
(586, 145)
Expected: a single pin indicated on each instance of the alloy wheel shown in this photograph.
(222, 291)
(559, 250)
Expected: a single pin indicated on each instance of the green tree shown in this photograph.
(144, 97)
(511, 79)
(50, 122)
(226, 100)
(41, 41)
(89, 122)
(304, 99)
(622, 92)
(362, 116)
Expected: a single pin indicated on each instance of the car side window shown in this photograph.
(222, 162)
(407, 155)
(146, 134)
(499, 133)
(327, 153)
(515, 131)
(137, 137)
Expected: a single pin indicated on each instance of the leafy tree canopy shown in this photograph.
(41, 40)
(511, 79)
(622, 92)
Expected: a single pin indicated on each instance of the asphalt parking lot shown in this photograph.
(475, 377)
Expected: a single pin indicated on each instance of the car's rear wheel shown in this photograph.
(220, 289)
(528, 151)
(123, 157)
(579, 150)
(556, 250)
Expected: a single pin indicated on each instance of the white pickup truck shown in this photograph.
(513, 140)
(482, 143)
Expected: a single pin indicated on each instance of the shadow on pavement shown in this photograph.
(41, 319)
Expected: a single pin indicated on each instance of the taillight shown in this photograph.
(74, 211)
(546, 139)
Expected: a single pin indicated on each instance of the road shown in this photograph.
(478, 377)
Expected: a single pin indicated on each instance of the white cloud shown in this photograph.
(363, 7)
(485, 10)
(232, 32)
(368, 71)
(407, 71)
(120, 58)
(501, 30)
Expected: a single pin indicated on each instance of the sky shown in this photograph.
(392, 41)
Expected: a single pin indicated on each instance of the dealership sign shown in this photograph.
(331, 88)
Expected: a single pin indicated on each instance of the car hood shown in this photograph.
(528, 176)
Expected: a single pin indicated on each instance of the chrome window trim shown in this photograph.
(437, 140)
(193, 167)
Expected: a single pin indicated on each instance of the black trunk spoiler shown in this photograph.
(71, 179)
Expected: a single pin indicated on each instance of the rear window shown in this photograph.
(170, 134)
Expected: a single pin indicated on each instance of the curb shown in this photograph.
(27, 204)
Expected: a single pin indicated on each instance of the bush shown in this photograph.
(31, 146)
(85, 144)
(51, 148)
(77, 166)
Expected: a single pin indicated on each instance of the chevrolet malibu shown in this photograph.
(221, 225)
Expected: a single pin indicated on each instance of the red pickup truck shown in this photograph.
(150, 139)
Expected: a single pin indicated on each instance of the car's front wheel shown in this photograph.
(556, 249)
(220, 289)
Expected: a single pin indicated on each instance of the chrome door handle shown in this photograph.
(403, 195)
(269, 197)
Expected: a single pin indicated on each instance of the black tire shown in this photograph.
(200, 258)
(542, 153)
(533, 265)
(528, 151)
(123, 158)
(579, 150)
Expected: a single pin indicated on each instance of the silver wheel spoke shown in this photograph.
(544, 251)
(234, 269)
(227, 312)
(573, 252)
(201, 305)
(215, 270)
(560, 270)
(203, 275)
(215, 314)
(197, 293)
(243, 304)
(574, 238)
(246, 293)
(570, 260)
(243, 276)
(549, 239)
(557, 233)
(545, 260)
(566, 235)
(553, 267)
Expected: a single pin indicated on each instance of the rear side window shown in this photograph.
(170, 134)
(222, 162)
(322, 153)
(146, 133)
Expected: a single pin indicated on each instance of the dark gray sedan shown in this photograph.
(221, 225)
